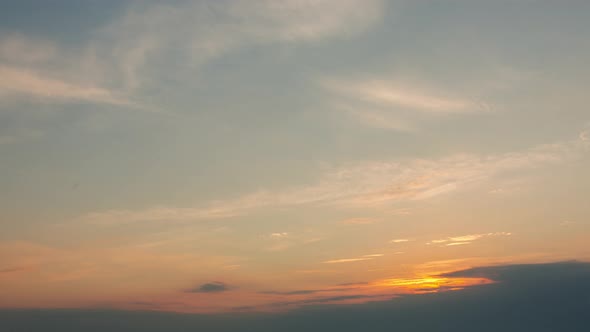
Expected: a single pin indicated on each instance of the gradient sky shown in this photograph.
(209, 156)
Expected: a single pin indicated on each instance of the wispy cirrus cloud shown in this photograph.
(397, 94)
(201, 31)
(119, 55)
(364, 184)
(23, 82)
(40, 71)
(396, 103)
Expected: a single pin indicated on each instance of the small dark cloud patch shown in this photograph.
(10, 270)
(210, 287)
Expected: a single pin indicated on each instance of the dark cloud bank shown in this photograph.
(542, 297)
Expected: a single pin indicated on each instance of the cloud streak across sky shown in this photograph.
(367, 184)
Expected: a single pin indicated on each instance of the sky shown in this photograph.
(239, 157)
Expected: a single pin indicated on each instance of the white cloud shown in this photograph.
(457, 243)
(399, 241)
(467, 238)
(279, 235)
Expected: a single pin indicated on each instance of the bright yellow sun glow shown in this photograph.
(432, 283)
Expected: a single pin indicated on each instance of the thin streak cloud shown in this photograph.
(16, 81)
(348, 260)
(399, 241)
(388, 94)
(466, 239)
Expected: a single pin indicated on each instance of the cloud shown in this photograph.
(394, 104)
(392, 94)
(118, 61)
(457, 244)
(202, 31)
(348, 260)
(399, 241)
(279, 236)
(39, 70)
(211, 287)
(18, 81)
(364, 184)
(356, 259)
(402, 100)
(466, 239)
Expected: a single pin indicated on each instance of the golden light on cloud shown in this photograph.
(432, 283)
(457, 244)
(399, 241)
(347, 260)
(466, 239)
